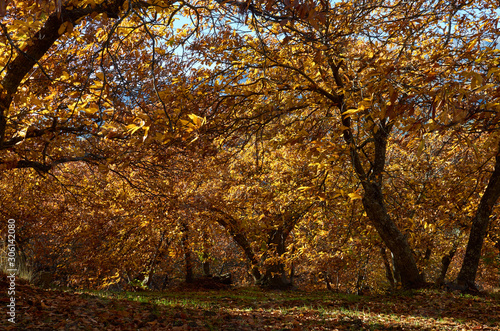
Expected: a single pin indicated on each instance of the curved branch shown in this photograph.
(39, 44)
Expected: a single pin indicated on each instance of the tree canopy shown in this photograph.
(354, 143)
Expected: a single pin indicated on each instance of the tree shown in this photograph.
(478, 231)
(27, 43)
(371, 62)
(259, 203)
(76, 74)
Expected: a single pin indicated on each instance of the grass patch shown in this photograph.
(254, 309)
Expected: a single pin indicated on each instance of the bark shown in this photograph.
(387, 266)
(393, 238)
(275, 275)
(480, 222)
(395, 271)
(373, 200)
(445, 263)
(206, 263)
(497, 245)
(328, 280)
(187, 253)
(165, 282)
(360, 283)
(328, 285)
(292, 267)
(205, 258)
(154, 259)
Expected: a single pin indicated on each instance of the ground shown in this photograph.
(248, 309)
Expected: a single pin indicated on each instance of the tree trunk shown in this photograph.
(292, 267)
(206, 263)
(374, 205)
(275, 275)
(187, 253)
(393, 238)
(205, 258)
(480, 222)
(387, 266)
(326, 277)
(497, 245)
(230, 224)
(395, 271)
(360, 283)
(445, 263)
(153, 260)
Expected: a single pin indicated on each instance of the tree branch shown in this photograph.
(39, 44)
(46, 167)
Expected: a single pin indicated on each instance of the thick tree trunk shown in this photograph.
(275, 275)
(360, 283)
(497, 245)
(205, 258)
(393, 238)
(153, 260)
(395, 271)
(480, 222)
(189, 266)
(292, 267)
(328, 281)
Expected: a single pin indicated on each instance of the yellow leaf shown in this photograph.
(485, 87)
(492, 71)
(420, 147)
(92, 109)
(65, 76)
(351, 111)
(355, 195)
(62, 28)
(132, 128)
(476, 81)
(65, 27)
(197, 120)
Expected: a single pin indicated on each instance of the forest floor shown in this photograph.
(247, 309)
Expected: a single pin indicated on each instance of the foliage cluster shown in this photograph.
(349, 143)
